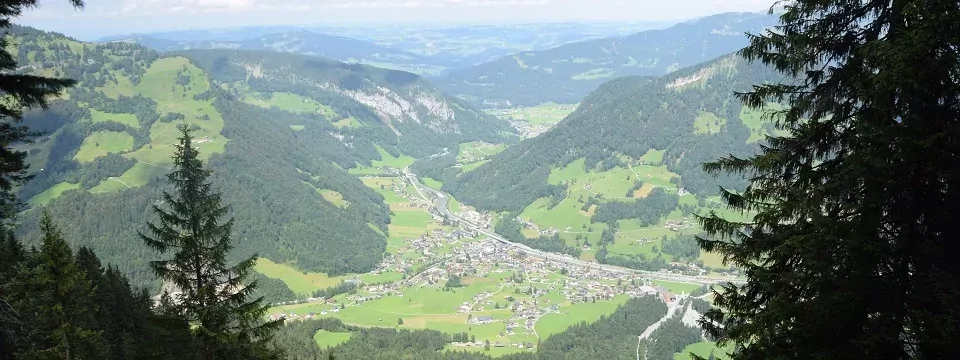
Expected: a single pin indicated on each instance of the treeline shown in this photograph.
(344, 287)
(54, 301)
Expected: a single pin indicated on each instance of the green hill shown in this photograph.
(282, 133)
(567, 73)
(626, 162)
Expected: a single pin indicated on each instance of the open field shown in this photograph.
(386, 160)
(160, 84)
(431, 307)
(653, 157)
(708, 123)
(52, 193)
(753, 119)
(327, 339)
(299, 282)
(289, 102)
(102, 143)
(348, 122)
(477, 150)
(125, 119)
(677, 287)
(406, 221)
(702, 349)
(574, 314)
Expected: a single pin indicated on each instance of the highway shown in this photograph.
(442, 201)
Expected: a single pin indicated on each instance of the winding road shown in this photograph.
(442, 201)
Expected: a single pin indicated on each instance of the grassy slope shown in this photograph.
(327, 339)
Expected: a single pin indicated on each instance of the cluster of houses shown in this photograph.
(678, 225)
(529, 130)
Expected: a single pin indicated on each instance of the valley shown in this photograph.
(378, 201)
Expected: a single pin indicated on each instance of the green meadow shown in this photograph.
(702, 349)
(299, 282)
(52, 193)
(551, 324)
(326, 339)
(386, 160)
(101, 143)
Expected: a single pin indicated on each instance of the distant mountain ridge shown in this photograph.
(426, 50)
(567, 73)
(299, 41)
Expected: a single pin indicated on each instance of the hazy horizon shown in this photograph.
(117, 17)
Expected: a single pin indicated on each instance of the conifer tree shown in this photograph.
(56, 301)
(853, 250)
(212, 295)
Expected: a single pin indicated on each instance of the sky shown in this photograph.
(114, 17)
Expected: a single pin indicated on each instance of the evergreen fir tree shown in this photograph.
(56, 301)
(212, 295)
(853, 251)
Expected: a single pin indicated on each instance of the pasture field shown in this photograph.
(101, 143)
(708, 123)
(406, 221)
(702, 349)
(298, 281)
(678, 287)
(289, 102)
(126, 119)
(653, 157)
(160, 84)
(138, 175)
(431, 307)
(431, 183)
(332, 197)
(370, 278)
(297, 127)
(574, 314)
(478, 150)
(753, 119)
(52, 193)
(326, 339)
(594, 74)
(348, 122)
(472, 166)
(386, 160)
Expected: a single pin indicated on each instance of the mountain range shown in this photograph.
(567, 73)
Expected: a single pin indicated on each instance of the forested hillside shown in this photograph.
(690, 115)
(307, 43)
(567, 73)
(618, 180)
(280, 148)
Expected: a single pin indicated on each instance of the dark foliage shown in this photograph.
(853, 252)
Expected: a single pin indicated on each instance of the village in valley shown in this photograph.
(457, 281)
